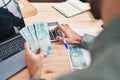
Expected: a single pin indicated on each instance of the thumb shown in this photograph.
(26, 46)
(41, 53)
(72, 42)
(59, 38)
(28, 51)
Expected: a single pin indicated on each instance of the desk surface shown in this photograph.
(57, 64)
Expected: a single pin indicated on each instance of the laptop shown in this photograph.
(11, 42)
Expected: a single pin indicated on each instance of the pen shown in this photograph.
(65, 43)
(67, 48)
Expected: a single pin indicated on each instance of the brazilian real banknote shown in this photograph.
(43, 37)
(37, 36)
(77, 58)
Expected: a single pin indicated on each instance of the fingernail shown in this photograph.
(45, 54)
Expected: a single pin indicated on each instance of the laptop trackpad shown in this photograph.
(12, 65)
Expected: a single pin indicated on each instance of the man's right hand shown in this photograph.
(70, 36)
(34, 61)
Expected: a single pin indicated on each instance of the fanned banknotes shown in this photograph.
(37, 36)
(77, 59)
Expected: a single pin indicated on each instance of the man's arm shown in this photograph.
(73, 38)
(87, 40)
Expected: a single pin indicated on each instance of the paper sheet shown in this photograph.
(85, 31)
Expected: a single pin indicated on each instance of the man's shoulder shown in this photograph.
(107, 38)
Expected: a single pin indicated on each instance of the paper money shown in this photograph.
(31, 29)
(37, 36)
(43, 37)
(77, 57)
(26, 35)
(32, 32)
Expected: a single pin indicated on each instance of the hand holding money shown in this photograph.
(37, 36)
(33, 61)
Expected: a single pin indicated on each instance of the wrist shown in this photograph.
(79, 39)
(87, 40)
(37, 74)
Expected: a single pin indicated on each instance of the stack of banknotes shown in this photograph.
(37, 36)
(76, 58)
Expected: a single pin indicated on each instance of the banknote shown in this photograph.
(77, 57)
(25, 34)
(37, 36)
(31, 29)
(32, 32)
(30, 39)
(43, 37)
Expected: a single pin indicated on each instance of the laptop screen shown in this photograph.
(11, 20)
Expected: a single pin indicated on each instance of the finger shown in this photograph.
(59, 38)
(41, 53)
(62, 28)
(65, 26)
(26, 46)
(56, 28)
(68, 40)
(28, 51)
(76, 42)
(59, 27)
(71, 42)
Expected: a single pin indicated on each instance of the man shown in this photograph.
(104, 50)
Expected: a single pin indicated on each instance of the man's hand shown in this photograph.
(33, 61)
(70, 36)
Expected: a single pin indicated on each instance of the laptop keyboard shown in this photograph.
(10, 48)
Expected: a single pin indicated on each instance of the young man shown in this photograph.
(104, 50)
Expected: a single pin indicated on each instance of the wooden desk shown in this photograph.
(57, 64)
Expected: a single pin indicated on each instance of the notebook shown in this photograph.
(72, 7)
